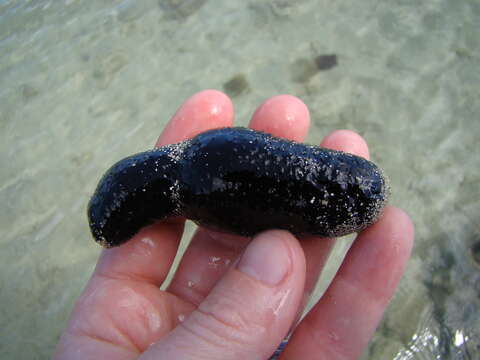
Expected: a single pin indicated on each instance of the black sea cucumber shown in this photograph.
(240, 181)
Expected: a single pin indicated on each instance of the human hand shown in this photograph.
(231, 298)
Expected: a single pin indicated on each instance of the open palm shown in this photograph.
(220, 307)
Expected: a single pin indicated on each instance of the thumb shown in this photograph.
(249, 311)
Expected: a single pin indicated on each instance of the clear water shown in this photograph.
(85, 83)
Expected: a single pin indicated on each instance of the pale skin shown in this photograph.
(232, 297)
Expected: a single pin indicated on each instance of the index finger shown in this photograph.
(149, 254)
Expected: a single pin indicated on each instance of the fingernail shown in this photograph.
(267, 258)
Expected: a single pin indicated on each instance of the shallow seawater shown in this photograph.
(86, 83)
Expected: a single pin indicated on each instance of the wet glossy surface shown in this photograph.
(240, 181)
(132, 194)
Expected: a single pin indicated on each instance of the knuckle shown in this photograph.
(225, 323)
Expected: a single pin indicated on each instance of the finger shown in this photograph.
(208, 109)
(347, 141)
(283, 116)
(250, 309)
(149, 255)
(343, 321)
(317, 249)
(210, 253)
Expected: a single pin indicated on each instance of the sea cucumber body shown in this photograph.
(240, 181)
(133, 193)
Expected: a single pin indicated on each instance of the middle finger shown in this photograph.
(211, 253)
